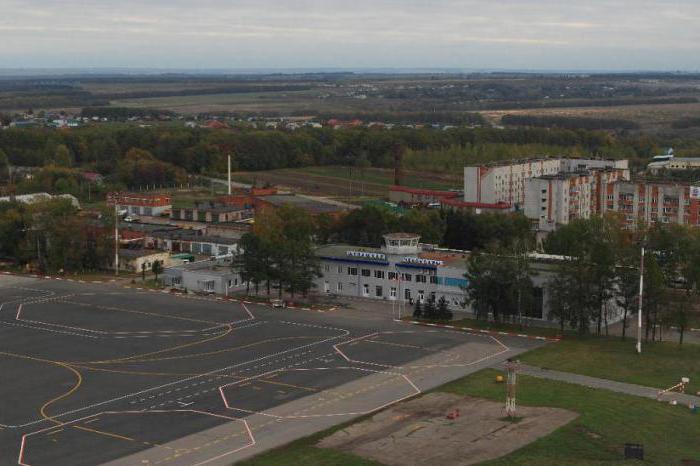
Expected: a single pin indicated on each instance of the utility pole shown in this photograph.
(639, 311)
(116, 239)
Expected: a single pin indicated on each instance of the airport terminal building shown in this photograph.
(402, 269)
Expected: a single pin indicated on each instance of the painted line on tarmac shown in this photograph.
(478, 330)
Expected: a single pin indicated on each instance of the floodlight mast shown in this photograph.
(639, 312)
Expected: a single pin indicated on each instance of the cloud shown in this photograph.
(536, 34)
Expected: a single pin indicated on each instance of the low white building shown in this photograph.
(40, 197)
(210, 276)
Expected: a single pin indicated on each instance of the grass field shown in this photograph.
(649, 117)
(607, 421)
(252, 101)
(386, 177)
(660, 365)
(337, 181)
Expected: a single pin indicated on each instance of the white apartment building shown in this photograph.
(506, 182)
(554, 200)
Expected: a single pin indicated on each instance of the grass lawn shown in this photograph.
(303, 453)
(377, 176)
(660, 365)
(607, 421)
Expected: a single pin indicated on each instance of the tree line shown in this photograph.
(204, 151)
(51, 237)
(598, 271)
(279, 252)
(568, 122)
(452, 229)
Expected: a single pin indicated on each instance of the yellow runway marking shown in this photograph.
(133, 311)
(78, 383)
(282, 384)
(106, 434)
(400, 345)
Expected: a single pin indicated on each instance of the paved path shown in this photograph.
(594, 382)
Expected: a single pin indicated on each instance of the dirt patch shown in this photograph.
(418, 432)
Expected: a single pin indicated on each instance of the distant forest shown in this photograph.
(166, 154)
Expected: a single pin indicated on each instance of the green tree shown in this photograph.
(498, 284)
(418, 310)
(62, 156)
(560, 306)
(429, 309)
(4, 166)
(157, 268)
(443, 311)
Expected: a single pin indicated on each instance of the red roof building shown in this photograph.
(405, 195)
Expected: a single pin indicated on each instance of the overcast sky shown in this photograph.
(467, 34)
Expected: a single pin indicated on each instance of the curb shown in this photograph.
(478, 330)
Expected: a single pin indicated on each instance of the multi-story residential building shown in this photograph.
(149, 204)
(554, 200)
(654, 201)
(507, 182)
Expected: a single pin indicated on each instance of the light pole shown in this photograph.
(116, 239)
(639, 311)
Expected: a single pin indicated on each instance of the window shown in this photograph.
(434, 279)
(326, 268)
(326, 287)
(392, 292)
(393, 275)
(406, 277)
(420, 279)
(378, 291)
(208, 285)
(340, 269)
(340, 287)
(365, 290)
(379, 274)
(365, 272)
(421, 295)
(407, 294)
(352, 271)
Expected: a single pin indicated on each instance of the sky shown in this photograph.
(610, 35)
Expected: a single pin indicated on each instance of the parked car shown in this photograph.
(278, 303)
